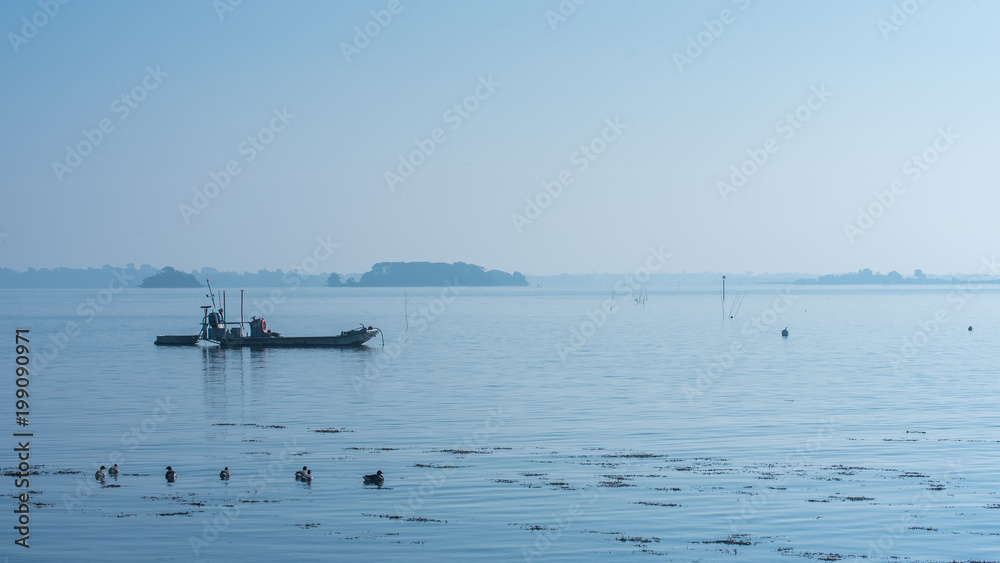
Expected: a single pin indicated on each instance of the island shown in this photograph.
(867, 277)
(430, 274)
(169, 277)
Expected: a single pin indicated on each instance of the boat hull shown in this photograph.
(348, 338)
(177, 340)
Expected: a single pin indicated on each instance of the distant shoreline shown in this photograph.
(133, 276)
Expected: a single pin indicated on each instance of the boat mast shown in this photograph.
(210, 292)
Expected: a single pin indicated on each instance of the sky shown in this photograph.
(544, 137)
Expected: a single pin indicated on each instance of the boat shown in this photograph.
(181, 340)
(230, 334)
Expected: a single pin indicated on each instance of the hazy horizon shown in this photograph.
(347, 273)
(545, 138)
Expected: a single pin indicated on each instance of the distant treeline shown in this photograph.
(428, 274)
(132, 276)
(866, 276)
(416, 274)
(169, 277)
(384, 274)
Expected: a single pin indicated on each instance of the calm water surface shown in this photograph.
(516, 424)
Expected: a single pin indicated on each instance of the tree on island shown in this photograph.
(427, 274)
(333, 280)
(169, 277)
(866, 276)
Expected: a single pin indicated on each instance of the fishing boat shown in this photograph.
(230, 334)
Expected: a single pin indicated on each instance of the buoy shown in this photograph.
(970, 328)
(784, 332)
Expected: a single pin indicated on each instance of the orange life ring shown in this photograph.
(263, 325)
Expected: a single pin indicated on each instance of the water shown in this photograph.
(659, 432)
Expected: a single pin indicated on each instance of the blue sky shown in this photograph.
(331, 127)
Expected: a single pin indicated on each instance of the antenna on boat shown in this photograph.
(210, 292)
(241, 310)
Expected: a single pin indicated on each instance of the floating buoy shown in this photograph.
(970, 328)
(784, 332)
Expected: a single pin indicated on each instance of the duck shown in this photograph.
(224, 474)
(376, 479)
(113, 470)
(171, 475)
(308, 476)
(301, 473)
(100, 475)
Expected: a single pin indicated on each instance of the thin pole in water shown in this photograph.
(723, 297)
